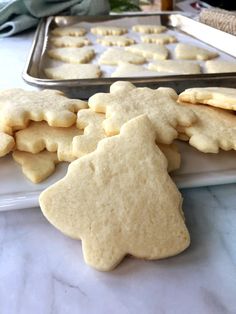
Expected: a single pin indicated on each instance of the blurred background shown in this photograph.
(154, 5)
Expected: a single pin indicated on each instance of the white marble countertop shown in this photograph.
(42, 271)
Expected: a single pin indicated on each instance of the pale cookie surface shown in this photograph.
(126, 69)
(7, 143)
(158, 39)
(108, 30)
(91, 123)
(125, 102)
(39, 136)
(68, 31)
(73, 71)
(150, 51)
(185, 51)
(149, 29)
(118, 207)
(112, 56)
(214, 129)
(36, 167)
(69, 41)
(221, 97)
(175, 66)
(72, 55)
(172, 155)
(115, 41)
(220, 66)
(18, 107)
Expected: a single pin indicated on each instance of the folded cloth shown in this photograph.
(221, 19)
(20, 15)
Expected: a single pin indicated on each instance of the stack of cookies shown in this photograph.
(117, 196)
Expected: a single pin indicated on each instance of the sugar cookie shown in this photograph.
(115, 41)
(175, 67)
(69, 41)
(18, 107)
(68, 31)
(108, 30)
(126, 69)
(158, 39)
(125, 102)
(39, 136)
(221, 97)
(72, 55)
(112, 56)
(120, 200)
(186, 51)
(149, 29)
(150, 51)
(220, 66)
(91, 123)
(36, 167)
(73, 71)
(214, 129)
(7, 143)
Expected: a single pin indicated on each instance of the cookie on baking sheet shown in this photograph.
(73, 71)
(186, 51)
(125, 102)
(112, 56)
(68, 31)
(108, 30)
(7, 143)
(221, 97)
(126, 69)
(214, 129)
(158, 39)
(149, 51)
(114, 40)
(18, 107)
(220, 66)
(91, 123)
(175, 67)
(69, 41)
(172, 155)
(39, 136)
(36, 167)
(72, 55)
(120, 200)
(149, 29)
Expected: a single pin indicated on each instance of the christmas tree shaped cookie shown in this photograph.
(120, 200)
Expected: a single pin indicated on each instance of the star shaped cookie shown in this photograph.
(125, 102)
(214, 129)
(91, 123)
(39, 136)
(18, 107)
(36, 167)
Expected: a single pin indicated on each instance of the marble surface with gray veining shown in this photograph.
(43, 272)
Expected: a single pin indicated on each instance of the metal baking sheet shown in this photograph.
(187, 30)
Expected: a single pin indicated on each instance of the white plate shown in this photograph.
(197, 169)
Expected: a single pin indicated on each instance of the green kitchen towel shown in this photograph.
(19, 15)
